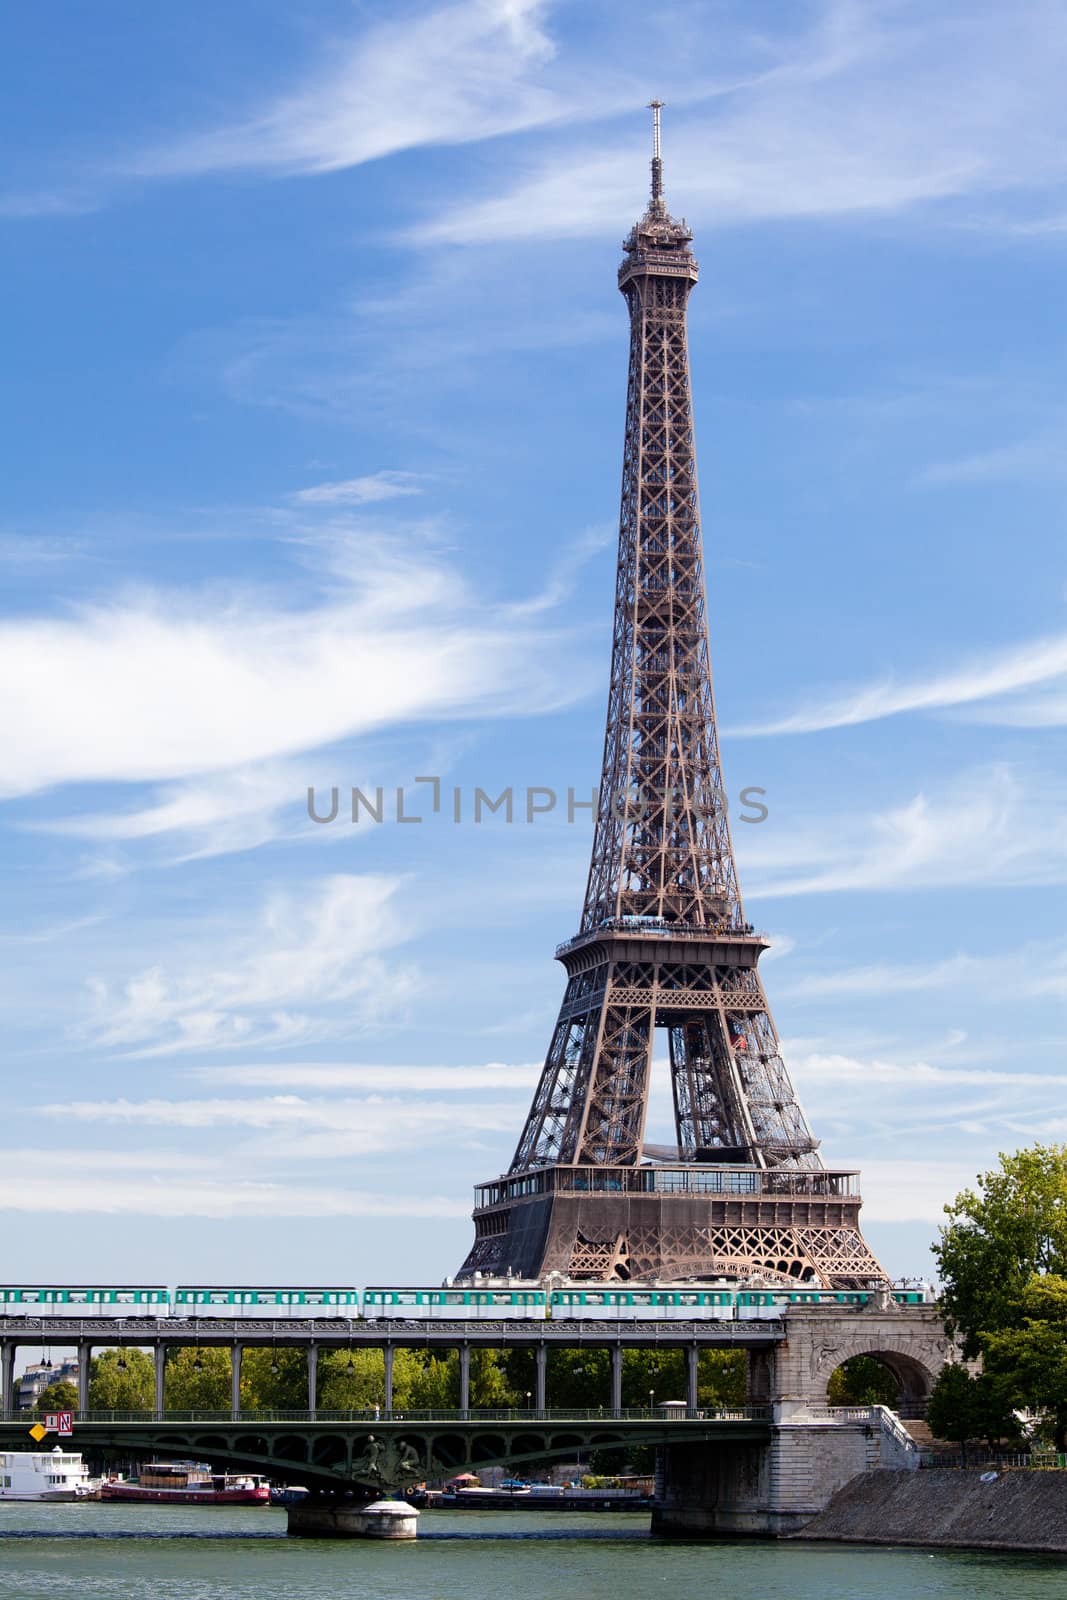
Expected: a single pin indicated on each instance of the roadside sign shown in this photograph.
(61, 1422)
(37, 1432)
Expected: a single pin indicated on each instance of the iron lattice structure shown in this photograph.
(663, 939)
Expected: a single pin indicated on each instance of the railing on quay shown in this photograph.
(979, 1460)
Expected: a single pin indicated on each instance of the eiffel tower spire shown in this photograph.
(663, 941)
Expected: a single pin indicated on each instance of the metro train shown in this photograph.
(470, 1302)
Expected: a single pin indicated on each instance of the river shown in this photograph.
(122, 1552)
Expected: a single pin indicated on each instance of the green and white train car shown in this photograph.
(458, 1303)
(92, 1300)
(608, 1303)
(220, 1300)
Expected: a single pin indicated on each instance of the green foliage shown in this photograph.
(1030, 1361)
(951, 1408)
(490, 1389)
(197, 1379)
(652, 1372)
(578, 1378)
(964, 1406)
(426, 1382)
(129, 1387)
(862, 1382)
(351, 1380)
(999, 1238)
(722, 1378)
(59, 1396)
(283, 1389)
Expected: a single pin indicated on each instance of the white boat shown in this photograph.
(54, 1474)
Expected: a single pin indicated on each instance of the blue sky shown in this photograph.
(314, 380)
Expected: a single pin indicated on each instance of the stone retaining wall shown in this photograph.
(1021, 1510)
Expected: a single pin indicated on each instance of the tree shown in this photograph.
(964, 1405)
(274, 1379)
(862, 1382)
(122, 1380)
(351, 1380)
(578, 1379)
(1029, 1363)
(652, 1373)
(952, 1410)
(998, 1238)
(722, 1379)
(198, 1379)
(59, 1396)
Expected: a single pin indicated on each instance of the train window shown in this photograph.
(690, 1300)
(641, 1300)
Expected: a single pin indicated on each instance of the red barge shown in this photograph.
(188, 1483)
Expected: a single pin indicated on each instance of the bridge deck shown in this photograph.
(329, 1332)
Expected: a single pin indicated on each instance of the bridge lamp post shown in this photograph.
(529, 1397)
(652, 1399)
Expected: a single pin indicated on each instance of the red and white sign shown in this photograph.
(61, 1422)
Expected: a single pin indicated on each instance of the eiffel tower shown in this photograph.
(663, 941)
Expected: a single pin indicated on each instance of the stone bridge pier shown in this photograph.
(739, 1487)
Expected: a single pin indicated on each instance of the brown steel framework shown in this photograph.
(663, 938)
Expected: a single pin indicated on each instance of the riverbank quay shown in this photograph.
(952, 1508)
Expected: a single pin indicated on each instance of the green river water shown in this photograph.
(121, 1552)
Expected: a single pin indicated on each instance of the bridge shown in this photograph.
(335, 1450)
(340, 1333)
(765, 1468)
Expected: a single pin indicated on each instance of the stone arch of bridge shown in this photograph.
(912, 1363)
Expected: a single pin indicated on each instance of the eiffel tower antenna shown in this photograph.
(656, 106)
(663, 940)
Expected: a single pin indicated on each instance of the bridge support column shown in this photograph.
(465, 1378)
(85, 1356)
(540, 1372)
(616, 1379)
(691, 1379)
(387, 1396)
(235, 1378)
(160, 1355)
(313, 1377)
(7, 1373)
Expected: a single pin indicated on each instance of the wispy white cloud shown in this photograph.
(29, 553)
(462, 72)
(1034, 665)
(19, 205)
(302, 1128)
(853, 120)
(25, 1187)
(1034, 970)
(981, 829)
(117, 690)
(837, 1070)
(308, 953)
(386, 1078)
(364, 491)
(902, 1190)
(1041, 456)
